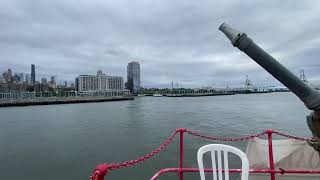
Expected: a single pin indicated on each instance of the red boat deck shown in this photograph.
(101, 170)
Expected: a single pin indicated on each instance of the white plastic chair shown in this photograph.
(219, 148)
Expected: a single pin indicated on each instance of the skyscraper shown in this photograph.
(33, 74)
(133, 76)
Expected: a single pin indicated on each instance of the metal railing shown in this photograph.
(102, 170)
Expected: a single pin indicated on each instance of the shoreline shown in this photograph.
(36, 102)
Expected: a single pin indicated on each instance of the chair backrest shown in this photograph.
(225, 149)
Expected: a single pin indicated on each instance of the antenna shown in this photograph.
(247, 83)
(303, 76)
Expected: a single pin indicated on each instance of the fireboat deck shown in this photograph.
(103, 169)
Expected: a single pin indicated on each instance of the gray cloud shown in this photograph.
(173, 40)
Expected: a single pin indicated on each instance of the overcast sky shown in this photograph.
(174, 40)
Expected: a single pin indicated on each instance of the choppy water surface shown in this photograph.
(67, 141)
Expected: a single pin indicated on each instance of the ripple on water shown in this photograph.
(79, 136)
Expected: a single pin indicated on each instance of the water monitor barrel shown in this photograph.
(307, 94)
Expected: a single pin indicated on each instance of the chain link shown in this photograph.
(244, 138)
(291, 137)
(145, 157)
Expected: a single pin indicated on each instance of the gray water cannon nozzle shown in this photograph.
(233, 34)
(307, 94)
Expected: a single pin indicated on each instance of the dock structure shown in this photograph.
(185, 92)
(196, 94)
(47, 98)
(47, 101)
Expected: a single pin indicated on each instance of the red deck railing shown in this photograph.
(101, 170)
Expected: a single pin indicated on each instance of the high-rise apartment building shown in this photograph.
(99, 82)
(33, 74)
(133, 77)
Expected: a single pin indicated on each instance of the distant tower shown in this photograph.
(303, 76)
(247, 83)
(33, 74)
(99, 72)
(133, 76)
(53, 80)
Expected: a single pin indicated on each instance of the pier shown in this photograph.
(50, 101)
(184, 92)
(42, 98)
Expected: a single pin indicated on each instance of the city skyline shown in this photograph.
(25, 76)
(241, 81)
(176, 41)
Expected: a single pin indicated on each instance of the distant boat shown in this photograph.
(157, 95)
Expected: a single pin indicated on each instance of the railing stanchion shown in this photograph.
(181, 130)
(270, 148)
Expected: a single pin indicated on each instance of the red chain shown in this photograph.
(100, 173)
(291, 137)
(145, 157)
(244, 138)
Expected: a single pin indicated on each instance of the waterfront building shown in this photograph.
(2, 80)
(21, 77)
(133, 77)
(43, 80)
(37, 87)
(53, 79)
(7, 75)
(114, 83)
(98, 82)
(52, 82)
(33, 74)
(4, 87)
(15, 78)
(28, 79)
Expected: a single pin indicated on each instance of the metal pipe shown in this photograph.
(181, 154)
(251, 171)
(307, 94)
(270, 148)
